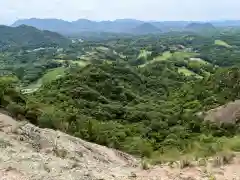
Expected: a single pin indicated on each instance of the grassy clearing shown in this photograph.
(35, 85)
(144, 54)
(102, 48)
(9, 78)
(201, 61)
(79, 62)
(186, 71)
(46, 78)
(119, 54)
(222, 43)
(223, 149)
(182, 55)
(165, 56)
(53, 74)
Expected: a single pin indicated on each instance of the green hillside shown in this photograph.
(29, 37)
(131, 110)
(141, 94)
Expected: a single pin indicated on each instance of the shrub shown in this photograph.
(16, 109)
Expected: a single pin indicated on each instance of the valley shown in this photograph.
(147, 94)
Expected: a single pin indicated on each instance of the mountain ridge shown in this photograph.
(113, 26)
(30, 36)
(80, 25)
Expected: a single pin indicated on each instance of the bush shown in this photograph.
(52, 120)
(32, 116)
(138, 146)
(16, 109)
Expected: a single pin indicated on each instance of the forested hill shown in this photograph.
(140, 94)
(138, 110)
(29, 37)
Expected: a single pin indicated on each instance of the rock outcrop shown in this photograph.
(31, 153)
(228, 113)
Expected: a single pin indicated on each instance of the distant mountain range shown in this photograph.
(81, 25)
(30, 37)
(117, 26)
(84, 25)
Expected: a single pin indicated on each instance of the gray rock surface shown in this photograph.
(31, 153)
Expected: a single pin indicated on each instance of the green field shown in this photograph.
(79, 62)
(53, 74)
(178, 55)
(201, 61)
(222, 43)
(102, 48)
(182, 55)
(144, 53)
(46, 78)
(165, 56)
(187, 72)
(9, 78)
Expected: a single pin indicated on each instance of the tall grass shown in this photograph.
(204, 148)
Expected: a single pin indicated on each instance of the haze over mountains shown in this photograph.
(118, 26)
(84, 25)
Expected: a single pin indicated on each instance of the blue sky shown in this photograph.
(11, 10)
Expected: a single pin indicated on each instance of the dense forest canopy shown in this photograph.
(138, 93)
